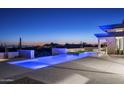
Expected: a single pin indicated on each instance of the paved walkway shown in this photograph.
(90, 70)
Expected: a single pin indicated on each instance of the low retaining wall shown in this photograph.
(13, 54)
(75, 49)
(20, 53)
(59, 51)
(65, 50)
(9, 54)
(26, 53)
(2, 55)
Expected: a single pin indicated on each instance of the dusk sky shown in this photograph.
(56, 25)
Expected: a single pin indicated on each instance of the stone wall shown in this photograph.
(111, 45)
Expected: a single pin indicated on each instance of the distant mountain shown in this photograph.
(23, 43)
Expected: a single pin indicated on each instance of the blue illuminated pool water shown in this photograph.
(50, 60)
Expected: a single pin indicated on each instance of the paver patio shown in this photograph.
(90, 70)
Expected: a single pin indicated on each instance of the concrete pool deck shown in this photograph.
(90, 70)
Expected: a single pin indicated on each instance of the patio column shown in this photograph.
(106, 50)
(123, 46)
(99, 45)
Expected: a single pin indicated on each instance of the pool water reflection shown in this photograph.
(50, 60)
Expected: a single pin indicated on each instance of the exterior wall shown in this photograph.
(111, 45)
(120, 45)
(26, 53)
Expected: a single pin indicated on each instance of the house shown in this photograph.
(114, 38)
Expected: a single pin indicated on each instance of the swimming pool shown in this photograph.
(50, 60)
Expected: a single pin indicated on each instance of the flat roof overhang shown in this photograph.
(113, 26)
(110, 34)
(102, 35)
